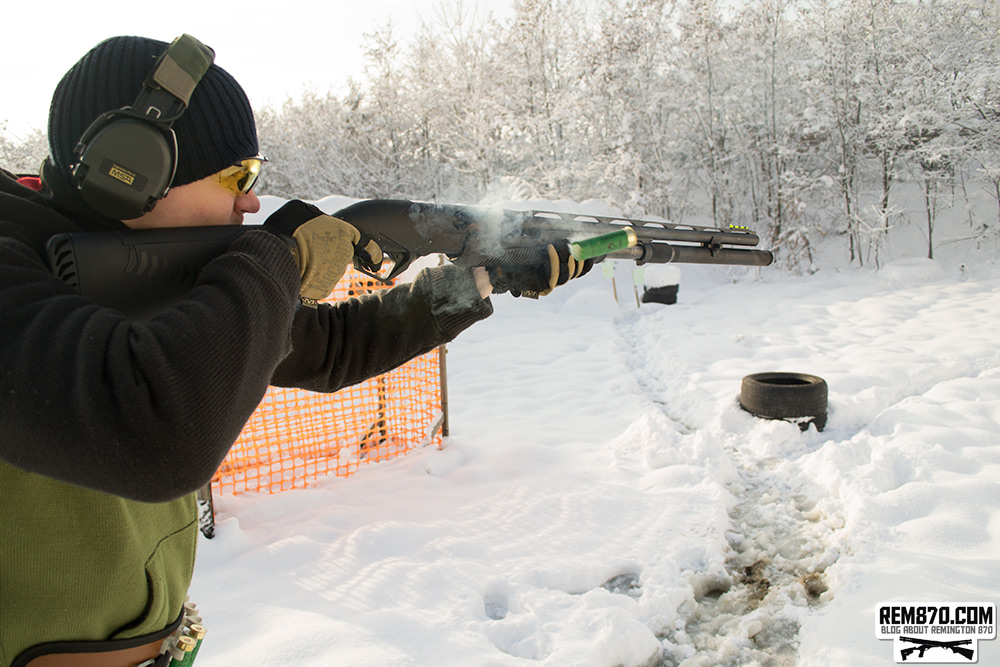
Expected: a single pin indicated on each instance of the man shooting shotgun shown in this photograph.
(128, 376)
(142, 271)
(113, 421)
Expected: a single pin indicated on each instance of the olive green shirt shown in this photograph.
(77, 564)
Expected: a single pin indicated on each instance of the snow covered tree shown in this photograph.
(631, 117)
(707, 81)
(304, 143)
(934, 56)
(469, 126)
(23, 156)
(975, 91)
(845, 87)
(779, 174)
(538, 72)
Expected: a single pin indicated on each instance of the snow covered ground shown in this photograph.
(603, 500)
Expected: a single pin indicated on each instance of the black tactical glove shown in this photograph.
(322, 245)
(539, 279)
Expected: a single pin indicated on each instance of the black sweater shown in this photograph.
(147, 410)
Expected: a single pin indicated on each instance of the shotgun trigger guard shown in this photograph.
(400, 262)
(372, 274)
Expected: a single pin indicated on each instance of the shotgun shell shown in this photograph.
(599, 246)
(196, 632)
(181, 652)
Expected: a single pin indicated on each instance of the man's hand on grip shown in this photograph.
(538, 280)
(322, 245)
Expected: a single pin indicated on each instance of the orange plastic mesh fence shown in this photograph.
(296, 437)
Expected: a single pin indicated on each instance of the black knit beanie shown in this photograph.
(216, 131)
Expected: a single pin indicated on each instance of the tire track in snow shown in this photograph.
(779, 540)
(780, 546)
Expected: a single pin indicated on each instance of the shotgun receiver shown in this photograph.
(141, 272)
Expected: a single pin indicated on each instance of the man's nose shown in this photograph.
(248, 203)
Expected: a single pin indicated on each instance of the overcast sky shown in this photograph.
(274, 48)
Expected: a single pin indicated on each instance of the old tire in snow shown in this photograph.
(797, 397)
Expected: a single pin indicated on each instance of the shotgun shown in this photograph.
(141, 272)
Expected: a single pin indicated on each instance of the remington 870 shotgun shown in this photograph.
(141, 272)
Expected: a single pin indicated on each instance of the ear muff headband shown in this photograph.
(128, 157)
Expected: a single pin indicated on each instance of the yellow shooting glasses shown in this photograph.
(242, 176)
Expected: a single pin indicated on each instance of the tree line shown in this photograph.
(800, 118)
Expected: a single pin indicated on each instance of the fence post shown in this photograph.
(444, 390)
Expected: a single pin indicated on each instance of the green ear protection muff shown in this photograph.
(127, 157)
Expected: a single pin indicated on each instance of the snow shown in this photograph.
(603, 500)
